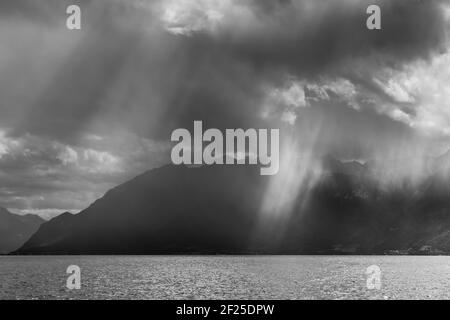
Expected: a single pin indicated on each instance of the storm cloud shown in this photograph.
(81, 111)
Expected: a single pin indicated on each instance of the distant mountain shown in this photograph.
(217, 209)
(173, 209)
(16, 229)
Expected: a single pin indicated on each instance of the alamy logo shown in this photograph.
(235, 150)
(74, 280)
(373, 281)
(73, 22)
(374, 20)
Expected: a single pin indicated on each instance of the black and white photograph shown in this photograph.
(226, 150)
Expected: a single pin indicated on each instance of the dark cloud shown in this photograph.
(307, 39)
(139, 69)
(213, 75)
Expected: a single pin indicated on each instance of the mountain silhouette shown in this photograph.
(16, 229)
(173, 209)
(217, 209)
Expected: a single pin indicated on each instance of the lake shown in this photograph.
(225, 277)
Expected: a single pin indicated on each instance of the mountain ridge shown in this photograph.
(16, 229)
(217, 209)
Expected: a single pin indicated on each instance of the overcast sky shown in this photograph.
(82, 111)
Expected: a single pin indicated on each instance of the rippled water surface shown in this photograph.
(224, 277)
